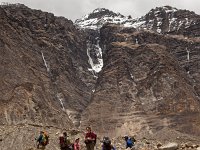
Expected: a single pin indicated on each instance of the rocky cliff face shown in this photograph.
(142, 82)
(119, 75)
(146, 75)
(168, 19)
(44, 69)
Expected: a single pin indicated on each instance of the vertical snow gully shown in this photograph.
(188, 59)
(45, 63)
(94, 53)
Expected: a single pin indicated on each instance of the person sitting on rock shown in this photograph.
(107, 144)
(90, 139)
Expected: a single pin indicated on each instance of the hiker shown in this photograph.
(107, 144)
(65, 143)
(76, 145)
(42, 140)
(90, 139)
(129, 142)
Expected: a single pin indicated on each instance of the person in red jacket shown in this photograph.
(90, 139)
(76, 144)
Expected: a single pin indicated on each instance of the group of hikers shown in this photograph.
(90, 141)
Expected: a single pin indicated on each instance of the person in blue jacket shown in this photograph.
(129, 142)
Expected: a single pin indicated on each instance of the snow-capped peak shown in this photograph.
(167, 19)
(161, 19)
(99, 17)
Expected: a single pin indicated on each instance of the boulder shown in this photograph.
(169, 146)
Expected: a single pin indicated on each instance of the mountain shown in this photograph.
(41, 55)
(168, 19)
(161, 19)
(99, 17)
(143, 83)
(120, 75)
(149, 65)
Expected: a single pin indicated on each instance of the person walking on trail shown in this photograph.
(107, 144)
(65, 143)
(42, 140)
(90, 139)
(76, 145)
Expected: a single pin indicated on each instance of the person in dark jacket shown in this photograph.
(107, 144)
(65, 143)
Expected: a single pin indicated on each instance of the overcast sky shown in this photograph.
(75, 9)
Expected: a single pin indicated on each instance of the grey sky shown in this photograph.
(75, 9)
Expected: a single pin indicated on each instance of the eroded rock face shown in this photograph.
(142, 85)
(44, 76)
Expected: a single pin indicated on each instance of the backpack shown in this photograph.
(133, 139)
(45, 140)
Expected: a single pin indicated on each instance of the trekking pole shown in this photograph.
(36, 144)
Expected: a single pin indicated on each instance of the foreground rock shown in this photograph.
(169, 146)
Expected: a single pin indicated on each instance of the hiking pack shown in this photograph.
(45, 139)
(133, 139)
